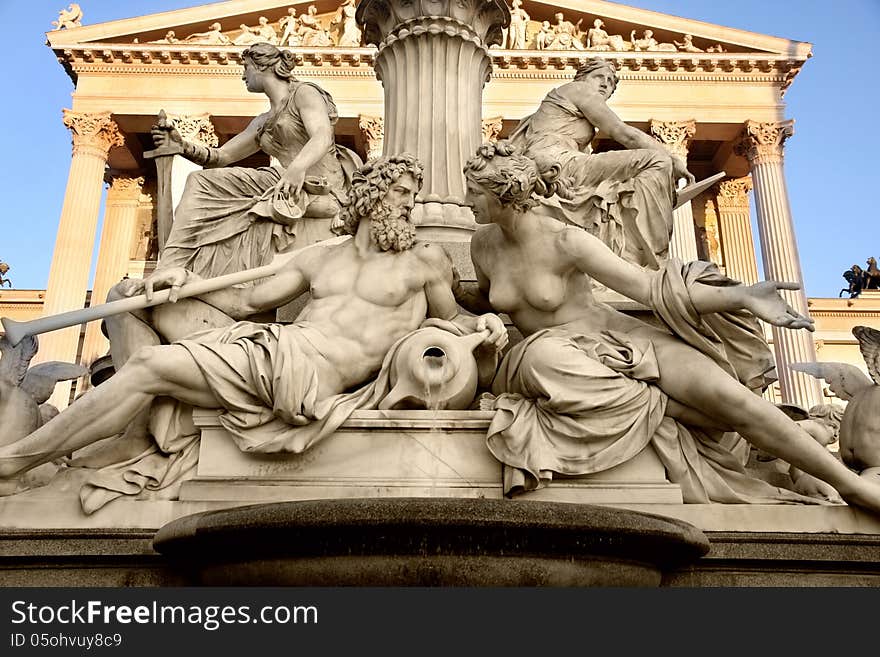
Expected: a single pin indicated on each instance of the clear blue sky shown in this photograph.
(830, 164)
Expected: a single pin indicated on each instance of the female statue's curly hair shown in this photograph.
(514, 178)
(370, 183)
(265, 55)
(595, 64)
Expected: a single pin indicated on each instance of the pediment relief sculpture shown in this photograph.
(68, 18)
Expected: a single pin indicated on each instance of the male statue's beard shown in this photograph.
(390, 227)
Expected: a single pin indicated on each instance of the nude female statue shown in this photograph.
(589, 387)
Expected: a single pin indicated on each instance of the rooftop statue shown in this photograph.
(213, 37)
(4, 269)
(599, 39)
(872, 275)
(855, 277)
(590, 387)
(625, 198)
(349, 32)
(68, 18)
(282, 387)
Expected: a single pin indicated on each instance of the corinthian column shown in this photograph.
(676, 137)
(433, 61)
(762, 144)
(117, 234)
(93, 136)
(734, 219)
(372, 131)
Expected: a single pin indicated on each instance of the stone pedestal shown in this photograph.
(433, 61)
(762, 144)
(93, 136)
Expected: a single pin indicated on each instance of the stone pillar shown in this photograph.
(93, 136)
(117, 234)
(734, 220)
(762, 144)
(196, 128)
(433, 61)
(676, 136)
(373, 134)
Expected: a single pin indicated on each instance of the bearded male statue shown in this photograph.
(274, 383)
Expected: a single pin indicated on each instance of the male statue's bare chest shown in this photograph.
(382, 279)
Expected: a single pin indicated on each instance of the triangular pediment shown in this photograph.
(623, 24)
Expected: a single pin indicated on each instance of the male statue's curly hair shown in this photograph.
(370, 183)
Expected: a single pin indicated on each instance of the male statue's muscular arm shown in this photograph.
(441, 301)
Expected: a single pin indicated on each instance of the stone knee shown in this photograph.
(144, 368)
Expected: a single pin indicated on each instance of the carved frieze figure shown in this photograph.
(248, 36)
(623, 197)
(311, 32)
(170, 37)
(590, 387)
(4, 269)
(68, 18)
(213, 37)
(544, 36)
(687, 45)
(516, 32)
(599, 39)
(288, 26)
(716, 48)
(282, 387)
(649, 43)
(349, 32)
(566, 35)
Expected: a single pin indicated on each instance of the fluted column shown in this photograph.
(93, 136)
(762, 144)
(373, 134)
(676, 136)
(433, 61)
(735, 223)
(117, 235)
(196, 128)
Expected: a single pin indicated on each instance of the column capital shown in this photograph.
(93, 133)
(196, 128)
(373, 132)
(762, 143)
(492, 128)
(675, 135)
(123, 186)
(734, 193)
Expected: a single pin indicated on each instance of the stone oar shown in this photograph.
(17, 331)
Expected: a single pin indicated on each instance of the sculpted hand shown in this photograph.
(173, 277)
(290, 184)
(680, 170)
(497, 331)
(764, 301)
(165, 135)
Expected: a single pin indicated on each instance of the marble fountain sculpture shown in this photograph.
(376, 439)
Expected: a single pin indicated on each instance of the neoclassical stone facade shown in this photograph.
(710, 93)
